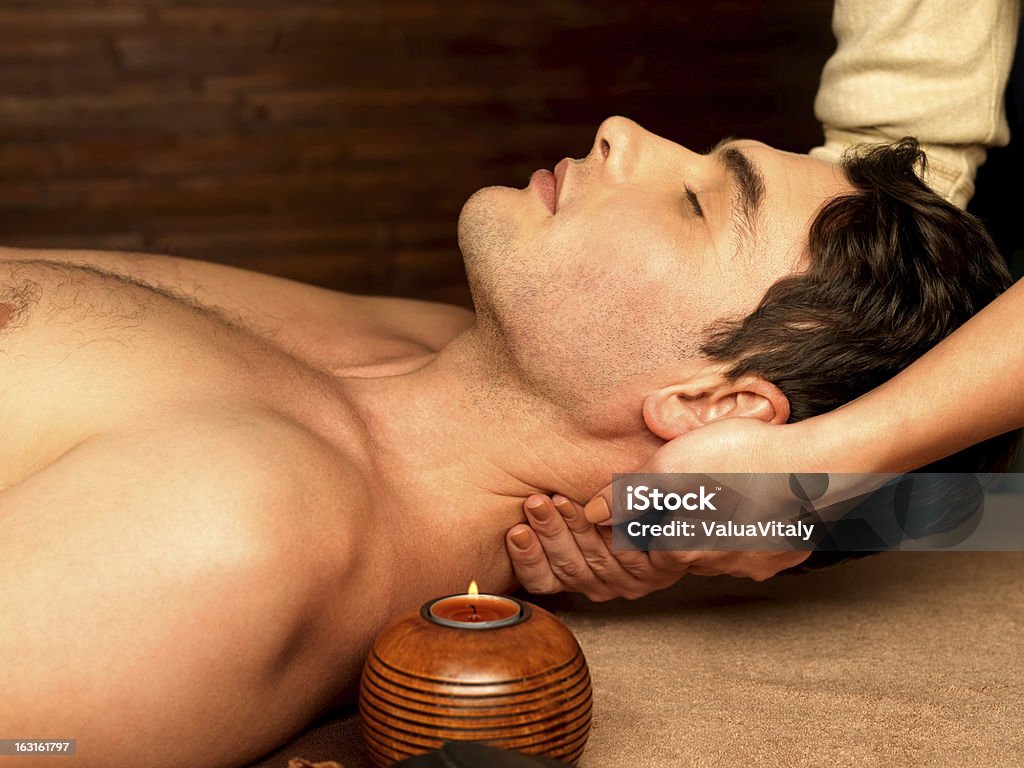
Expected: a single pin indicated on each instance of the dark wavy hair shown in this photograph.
(893, 270)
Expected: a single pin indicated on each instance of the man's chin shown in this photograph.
(486, 226)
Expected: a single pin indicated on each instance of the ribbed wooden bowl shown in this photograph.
(524, 687)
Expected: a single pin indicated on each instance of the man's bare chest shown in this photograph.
(82, 353)
(324, 328)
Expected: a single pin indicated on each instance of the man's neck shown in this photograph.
(461, 425)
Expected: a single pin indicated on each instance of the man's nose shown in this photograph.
(617, 147)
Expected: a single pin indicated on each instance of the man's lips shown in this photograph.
(560, 170)
(544, 182)
(549, 185)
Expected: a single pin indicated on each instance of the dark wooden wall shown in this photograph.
(334, 141)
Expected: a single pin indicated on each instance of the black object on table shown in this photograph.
(468, 754)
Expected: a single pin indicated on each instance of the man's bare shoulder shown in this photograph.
(196, 551)
(203, 463)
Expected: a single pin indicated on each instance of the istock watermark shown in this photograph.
(821, 512)
(642, 498)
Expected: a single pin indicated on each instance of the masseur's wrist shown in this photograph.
(845, 440)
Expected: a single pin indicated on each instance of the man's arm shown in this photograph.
(152, 607)
(930, 69)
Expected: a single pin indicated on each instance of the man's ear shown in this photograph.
(674, 410)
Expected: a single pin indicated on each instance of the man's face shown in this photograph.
(608, 271)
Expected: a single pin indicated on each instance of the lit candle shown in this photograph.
(474, 611)
(433, 676)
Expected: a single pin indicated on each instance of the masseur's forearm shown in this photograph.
(932, 69)
(968, 388)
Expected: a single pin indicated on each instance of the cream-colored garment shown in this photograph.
(932, 69)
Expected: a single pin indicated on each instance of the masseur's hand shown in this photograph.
(733, 446)
(765, 454)
(559, 551)
(564, 550)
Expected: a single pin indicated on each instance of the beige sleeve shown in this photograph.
(932, 69)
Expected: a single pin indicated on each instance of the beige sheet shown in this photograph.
(896, 660)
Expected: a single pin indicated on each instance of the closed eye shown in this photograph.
(692, 197)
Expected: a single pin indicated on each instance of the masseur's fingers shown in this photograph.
(529, 562)
(566, 560)
(578, 555)
(623, 571)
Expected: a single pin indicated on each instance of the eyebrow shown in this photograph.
(747, 182)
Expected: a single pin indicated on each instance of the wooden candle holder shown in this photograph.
(524, 686)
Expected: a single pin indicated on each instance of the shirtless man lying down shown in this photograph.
(216, 486)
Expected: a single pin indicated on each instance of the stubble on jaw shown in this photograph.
(579, 365)
(486, 238)
(482, 230)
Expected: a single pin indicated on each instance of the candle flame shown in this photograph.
(473, 590)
